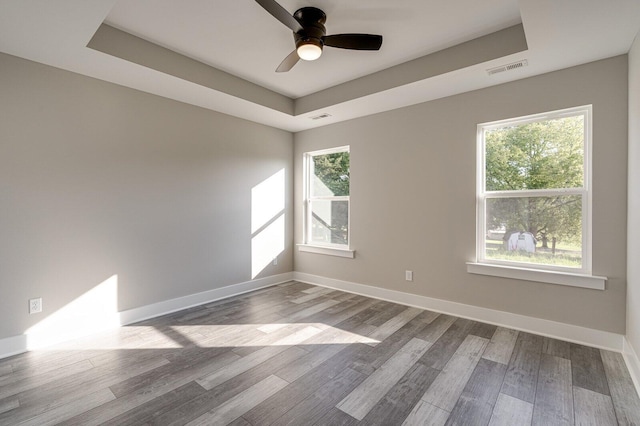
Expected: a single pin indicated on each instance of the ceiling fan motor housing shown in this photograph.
(313, 30)
(310, 35)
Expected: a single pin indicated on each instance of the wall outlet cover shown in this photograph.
(35, 305)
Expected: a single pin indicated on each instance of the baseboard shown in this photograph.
(13, 345)
(571, 333)
(168, 306)
(601, 339)
(633, 363)
(18, 344)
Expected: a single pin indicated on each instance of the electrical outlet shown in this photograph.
(35, 305)
(275, 261)
(408, 275)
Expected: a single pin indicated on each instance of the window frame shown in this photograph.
(342, 250)
(482, 195)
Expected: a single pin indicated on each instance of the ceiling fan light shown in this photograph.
(309, 51)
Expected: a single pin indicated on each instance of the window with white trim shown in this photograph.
(327, 198)
(533, 192)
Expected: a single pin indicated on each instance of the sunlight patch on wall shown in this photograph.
(267, 200)
(267, 221)
(95, 310)
(266, 245)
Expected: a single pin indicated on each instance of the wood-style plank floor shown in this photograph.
(305, 355)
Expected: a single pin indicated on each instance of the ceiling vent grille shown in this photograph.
(321, 116)
(508, 67)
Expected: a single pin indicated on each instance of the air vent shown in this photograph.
(508, 67)
(321, 116)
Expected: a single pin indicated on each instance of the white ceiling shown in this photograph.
(239, 37)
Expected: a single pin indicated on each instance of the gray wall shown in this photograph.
(97, 180)
(633, 235)
(413, 196)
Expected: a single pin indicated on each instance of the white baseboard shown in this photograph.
(633, 363)
(18, 344)
(571, 333)
(168, 306)
(13, 345)
(596, 338)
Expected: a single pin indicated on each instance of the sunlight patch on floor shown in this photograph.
(214, 336)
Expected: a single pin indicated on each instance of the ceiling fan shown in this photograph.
(310, 36)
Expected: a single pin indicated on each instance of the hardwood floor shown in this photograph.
(305, 355)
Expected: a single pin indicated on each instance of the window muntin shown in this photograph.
(327, 197)
(533, 191)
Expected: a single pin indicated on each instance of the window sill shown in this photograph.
(330, 251)
(551, 277)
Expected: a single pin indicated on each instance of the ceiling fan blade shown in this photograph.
(288, 62)
(354, 41)
(281, 14)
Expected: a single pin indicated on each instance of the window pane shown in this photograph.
(540, 230)
(330, 175)
(541, 155)
(329, 222)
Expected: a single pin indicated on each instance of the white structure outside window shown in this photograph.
(326, 209)
(533, 194)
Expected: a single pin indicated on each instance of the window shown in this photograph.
(327, 198)
(533, 192)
